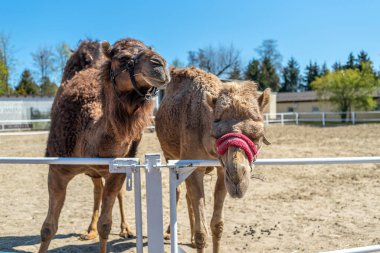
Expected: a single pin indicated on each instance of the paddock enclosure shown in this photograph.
(303, 208)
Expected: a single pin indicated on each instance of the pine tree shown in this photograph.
(311, 73)
(253, 71)
(48, 88)
(363, 59)
(268, 76)
(324, 70)
(351, 62)
(27, 86)
(337, 66)
(291, 77)
(235, 73)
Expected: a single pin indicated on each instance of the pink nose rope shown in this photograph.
(236, 140)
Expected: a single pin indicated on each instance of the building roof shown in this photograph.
(296, 96)
(306, 96)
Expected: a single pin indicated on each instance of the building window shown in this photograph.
(290, 109)
(315, 109)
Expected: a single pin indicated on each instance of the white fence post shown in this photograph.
(267, 119)
(297, 115)
(353, 118)
(323, 119)
(138, 211)
(154, 203)
(282, 119)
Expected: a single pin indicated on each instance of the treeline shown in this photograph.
(267, 69)
(48, 62)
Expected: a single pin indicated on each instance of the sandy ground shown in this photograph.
(294, 209)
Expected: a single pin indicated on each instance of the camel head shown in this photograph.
(136, 67)
(237, 131)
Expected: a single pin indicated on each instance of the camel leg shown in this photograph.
(191, 218)
(92, 231)
(112, 187)
(58, 179)
(126, 231)
(195, 189)
(217, 222)
(178, 193)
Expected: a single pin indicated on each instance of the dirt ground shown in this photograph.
(294, 209)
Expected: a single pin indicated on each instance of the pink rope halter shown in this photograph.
(236, 140)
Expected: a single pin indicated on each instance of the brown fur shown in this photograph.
(91, 117)
(88, 55)
(198, 109)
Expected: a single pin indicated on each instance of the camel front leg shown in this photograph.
(113, 185)
(190, 211)
(92, 231)
(195, 189)
(217, 222)
(57, 185)
(126, 231)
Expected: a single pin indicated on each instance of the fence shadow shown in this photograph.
(9, 243)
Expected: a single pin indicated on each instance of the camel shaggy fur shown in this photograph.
(90, 55)
(196, 111)
(100, 112)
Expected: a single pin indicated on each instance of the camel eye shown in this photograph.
(156, 62)
(216, 120)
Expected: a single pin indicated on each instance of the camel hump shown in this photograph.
(87, 55)
(191, 73)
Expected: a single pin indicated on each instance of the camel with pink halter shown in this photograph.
(201, 118)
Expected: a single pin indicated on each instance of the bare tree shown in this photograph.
(62, 54)
(219, 61)
(268, 49)
(44, 61)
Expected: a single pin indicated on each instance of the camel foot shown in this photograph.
(166, 236)
(126, 233)
(92, 234)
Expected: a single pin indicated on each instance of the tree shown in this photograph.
(27, 86)
(235, 73)
(3, 78)
(348, 88)
(253, 70)
(311, 73)
(44, 62)
(264, 73)
(6, 62)
(291, 77)
(324, 70)
(62, 54)
(219, 61)
(268, 49)
(177, 63)
(351, 62)
(268, 76)
(48, 88)
(337, 66)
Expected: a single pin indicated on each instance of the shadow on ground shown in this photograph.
(9, 243)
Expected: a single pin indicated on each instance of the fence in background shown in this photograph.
(179, 170)
(322, 118)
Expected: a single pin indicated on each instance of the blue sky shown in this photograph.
(319, 30)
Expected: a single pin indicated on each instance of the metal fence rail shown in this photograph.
(179, 170)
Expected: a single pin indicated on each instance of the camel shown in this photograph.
(90, 55)
(101, 112)
(202, 118)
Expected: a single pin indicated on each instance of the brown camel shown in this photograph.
(90, 55)
(196, 112)
(101, 112)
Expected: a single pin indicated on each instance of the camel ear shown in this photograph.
(210, 100)
(107, 48)
(264, 98)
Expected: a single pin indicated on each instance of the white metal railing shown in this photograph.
(179, 170)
